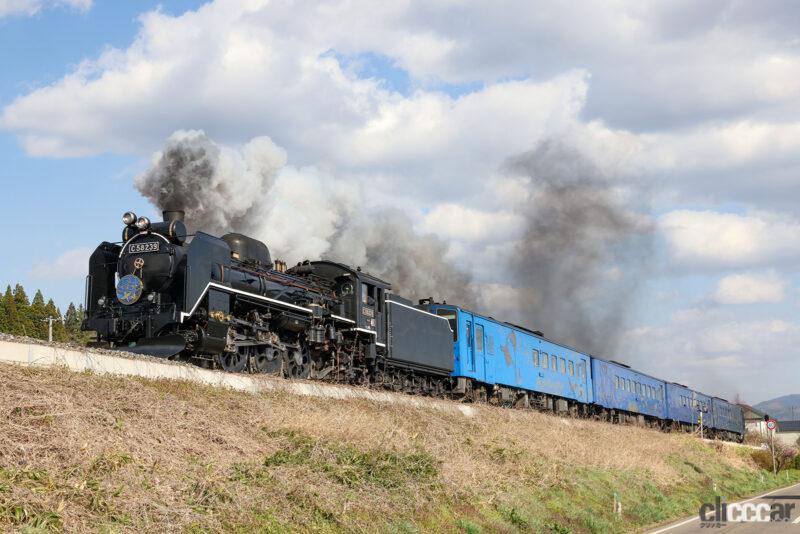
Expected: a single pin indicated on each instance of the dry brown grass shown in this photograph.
(83, 452)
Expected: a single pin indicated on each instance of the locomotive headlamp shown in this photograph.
(101, 301)
(151, 297)
(143, 223)
(129, 218)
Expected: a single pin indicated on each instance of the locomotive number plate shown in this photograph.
(138, 248)
(367, 312)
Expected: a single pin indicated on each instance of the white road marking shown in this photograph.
(686, 522)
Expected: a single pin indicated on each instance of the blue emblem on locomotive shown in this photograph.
(129, 289)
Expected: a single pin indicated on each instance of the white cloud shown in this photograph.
(702, 239)
(453, 221)
(720, 353)
(70, 264)
(19, 7)
(750, 288)
(31, 7)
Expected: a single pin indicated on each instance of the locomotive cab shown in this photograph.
(362, 295)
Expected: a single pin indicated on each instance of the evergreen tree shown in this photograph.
(38, 315)
(13, 322)
(24, 325)
(3, 316)
(59, 332)
(72, 322)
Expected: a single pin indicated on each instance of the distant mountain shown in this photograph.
(781, 408)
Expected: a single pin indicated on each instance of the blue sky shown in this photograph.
(58, 203)
(688, 113)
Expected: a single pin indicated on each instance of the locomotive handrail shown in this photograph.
(221, 287)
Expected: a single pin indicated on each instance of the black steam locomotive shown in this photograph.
(224, 303)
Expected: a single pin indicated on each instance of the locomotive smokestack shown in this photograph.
(173, 215)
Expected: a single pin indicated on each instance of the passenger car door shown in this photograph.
(480, 352)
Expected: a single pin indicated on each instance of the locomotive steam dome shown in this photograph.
(247, 249)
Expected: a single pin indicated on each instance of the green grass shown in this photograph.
(103, 454)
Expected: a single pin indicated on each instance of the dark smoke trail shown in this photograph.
(583, 251)
(219, 189)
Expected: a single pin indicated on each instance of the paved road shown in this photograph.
(781, 499)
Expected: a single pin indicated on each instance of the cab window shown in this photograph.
(452, 318)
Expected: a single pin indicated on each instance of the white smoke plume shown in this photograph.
(298, 213)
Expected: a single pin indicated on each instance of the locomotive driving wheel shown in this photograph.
(233, 362)
(268, 360)
(296, 363)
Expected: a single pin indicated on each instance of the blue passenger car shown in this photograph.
(685, 406)
(618, 387)
(497, 353)
(727, 417)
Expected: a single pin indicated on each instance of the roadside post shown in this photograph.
(772, 424)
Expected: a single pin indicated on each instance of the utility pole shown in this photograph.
(772, 446)
(50, 320)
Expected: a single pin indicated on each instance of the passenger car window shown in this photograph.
(628, 382)
(571, 369)
(554, 363)
(535, 357)
(582, 370)
(543, 360)
(479, 338)
(563, 370)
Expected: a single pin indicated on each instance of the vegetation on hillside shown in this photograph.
(87, 453)
(21, 317)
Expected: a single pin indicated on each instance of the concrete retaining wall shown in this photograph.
(107, 362)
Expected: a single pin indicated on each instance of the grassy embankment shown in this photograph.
(80, 452)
